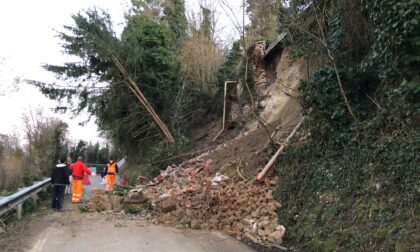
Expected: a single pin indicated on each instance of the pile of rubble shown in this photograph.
(189, 195)
(100, 201)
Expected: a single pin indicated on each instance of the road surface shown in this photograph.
(72, 231)
(95, 182)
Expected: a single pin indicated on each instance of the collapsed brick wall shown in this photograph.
(242, 209)
(263, 77)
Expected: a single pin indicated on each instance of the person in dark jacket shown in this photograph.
(59, 180)
(103, 175)
(69, 163)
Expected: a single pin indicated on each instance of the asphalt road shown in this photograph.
(97, 233)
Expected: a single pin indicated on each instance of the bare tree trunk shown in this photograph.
(340, 85)
(321, 39)
(332, 60)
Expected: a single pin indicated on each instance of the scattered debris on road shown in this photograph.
(190, 196)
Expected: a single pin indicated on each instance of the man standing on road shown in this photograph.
(59, 179)
(69, 164)
(111, 171)
(103, 175)
(78, 171)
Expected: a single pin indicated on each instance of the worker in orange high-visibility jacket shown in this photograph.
(78, 172)
(111, 171)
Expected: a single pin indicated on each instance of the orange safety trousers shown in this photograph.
(77, 190)
(110, 178)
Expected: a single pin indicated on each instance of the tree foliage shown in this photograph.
(46, 142)
(263, 17)
(11, 168)
(200, 56)
(169, 13)
(145, 50)
(174, 11)
(92, 153)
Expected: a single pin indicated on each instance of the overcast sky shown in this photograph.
(28, 41)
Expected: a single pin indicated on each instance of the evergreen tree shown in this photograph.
(174, 11)
(146, 52)
(263, 15)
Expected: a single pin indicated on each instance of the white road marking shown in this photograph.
(39, 245)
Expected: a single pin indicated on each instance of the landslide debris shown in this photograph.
(191, 196)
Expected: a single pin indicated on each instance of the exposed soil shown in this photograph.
(280, 109)
(244, 152)
(18, 231)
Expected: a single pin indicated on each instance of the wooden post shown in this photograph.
(279, 151)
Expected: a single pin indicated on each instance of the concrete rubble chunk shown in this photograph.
(276, 237)
(195, 224)
(115, 201)
(263, 223)
(135, 196)
(167, 205)
(254, 214)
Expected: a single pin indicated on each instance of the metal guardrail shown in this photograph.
(119, 163)
(16, 200)
(94, 165)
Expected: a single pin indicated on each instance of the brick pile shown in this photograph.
(189, 196)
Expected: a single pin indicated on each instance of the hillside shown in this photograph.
(353, 194)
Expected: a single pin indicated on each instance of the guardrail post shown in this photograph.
(35, 201)
(19, 211)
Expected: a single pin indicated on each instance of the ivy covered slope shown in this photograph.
(354, 184)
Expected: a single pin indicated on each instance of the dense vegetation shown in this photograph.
(92, 153)
(354, 184)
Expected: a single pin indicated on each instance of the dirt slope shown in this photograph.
(280, 108)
